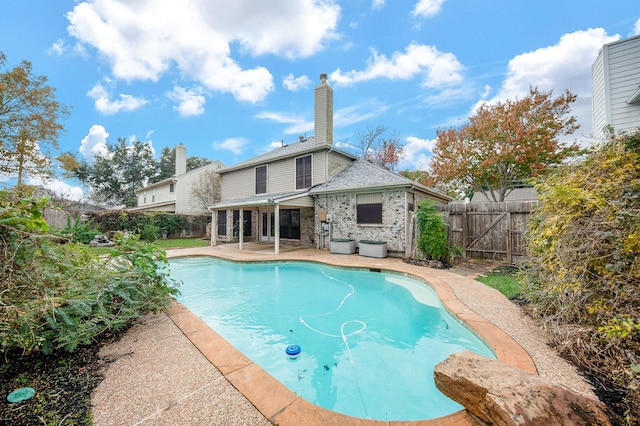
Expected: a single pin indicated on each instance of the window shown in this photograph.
(222, 222)
(153, 196)
(246, 225)
(303, 172)
(172, 187)
(261, 180)
(369, 208)
(290, 224)
(144, 197)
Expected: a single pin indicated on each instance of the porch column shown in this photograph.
(276, 246)
(214, 227)
(241, 229)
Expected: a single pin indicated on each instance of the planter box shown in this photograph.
(373, 248)
(342, 246)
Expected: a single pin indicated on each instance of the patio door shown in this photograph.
(267, 226)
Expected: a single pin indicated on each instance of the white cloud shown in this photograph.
(418, 153)
(427, 8)
(377, 4)
(197, 37)
(436, 68)
(297, 125)
(105, 105)
(57, 48)
(190, 101)
(296, 83)
(58, 187)
(366, 110)
(94, 143)
(636, 28)
(564, 66)
(235, 145)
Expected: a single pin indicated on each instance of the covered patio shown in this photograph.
(268, 210)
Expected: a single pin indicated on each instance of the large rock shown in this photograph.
(503, 395)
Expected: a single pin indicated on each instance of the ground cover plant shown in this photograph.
(58, 301)
(584, 277)
(505, 280)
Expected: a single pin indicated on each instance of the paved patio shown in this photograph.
(171, 368)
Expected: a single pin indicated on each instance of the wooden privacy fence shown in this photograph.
(489, 230)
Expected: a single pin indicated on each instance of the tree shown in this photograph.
(207, 189)
(374, 147)
(167, 164)
(115, 176)
(505, 143)
(29, 122)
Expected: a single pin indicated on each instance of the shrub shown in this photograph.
(150, 232)
(81, 232)
(432, 232)
(584, 277)
(61, 296)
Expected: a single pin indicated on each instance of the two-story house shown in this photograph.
(175, 194)
(309, 192)
(616, 87)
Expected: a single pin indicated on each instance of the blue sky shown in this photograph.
(231, 79)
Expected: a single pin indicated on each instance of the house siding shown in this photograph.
(336, 162)
(239, 184)
(186, 203)
(616, 75)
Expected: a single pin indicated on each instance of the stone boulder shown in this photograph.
(101, 241)
(499, 394)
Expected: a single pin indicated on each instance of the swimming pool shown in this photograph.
(369, 340)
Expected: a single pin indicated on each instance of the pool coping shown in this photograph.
(282, 406)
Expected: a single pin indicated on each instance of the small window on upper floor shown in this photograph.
(172, 187)
(261, 180)
(303, 172)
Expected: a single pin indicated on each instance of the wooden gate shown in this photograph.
(489, 230)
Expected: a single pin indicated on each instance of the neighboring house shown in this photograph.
(175, 195)
(309, 192)
(616, 87)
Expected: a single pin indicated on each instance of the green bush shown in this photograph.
(432, 232)
(136, 222)
(150, 232)
(584, 277)
(81, 232)
(61, 296)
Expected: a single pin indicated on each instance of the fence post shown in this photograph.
(509, 242)
(464, 233)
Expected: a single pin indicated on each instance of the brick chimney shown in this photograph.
(323, 117)
(181, 159)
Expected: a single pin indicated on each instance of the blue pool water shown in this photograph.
(369, 340)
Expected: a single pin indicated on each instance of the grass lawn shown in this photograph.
(163, 244)
(504, 280)
(182, 243)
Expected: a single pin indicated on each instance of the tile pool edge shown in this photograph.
(282, 406)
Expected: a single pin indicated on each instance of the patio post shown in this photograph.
(276, 246)
(241, 229)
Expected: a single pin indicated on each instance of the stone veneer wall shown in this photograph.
(342, 207)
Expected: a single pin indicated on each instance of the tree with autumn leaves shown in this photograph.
(29, 122)
(502, 145)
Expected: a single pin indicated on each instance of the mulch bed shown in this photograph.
(63, 383)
